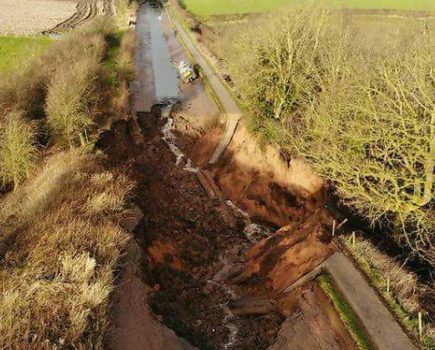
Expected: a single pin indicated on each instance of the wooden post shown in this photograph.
(420, 325)
(333, 228)
(342, 223)
(353, 239)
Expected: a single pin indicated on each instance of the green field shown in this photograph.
(225, 7)
(14, 50)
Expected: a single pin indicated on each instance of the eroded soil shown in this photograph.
(190, 249)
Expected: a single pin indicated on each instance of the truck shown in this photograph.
(187, 73)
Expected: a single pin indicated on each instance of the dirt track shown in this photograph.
(85, 11)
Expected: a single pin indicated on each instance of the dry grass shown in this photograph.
(66, 90)
(58, 274)
(124, 60)
(124, 68)
(17, 149)
(71, 95)
(406, 297)
(60, 237)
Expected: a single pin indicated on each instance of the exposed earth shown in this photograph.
(192, 243)
(31, 17)
(28, 17)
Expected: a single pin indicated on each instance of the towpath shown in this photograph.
(226, 101)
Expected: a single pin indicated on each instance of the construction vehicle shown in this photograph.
(187, 73)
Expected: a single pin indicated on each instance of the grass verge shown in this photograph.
(400, 289)
(13, 50)
(346, 313)
(204, 8)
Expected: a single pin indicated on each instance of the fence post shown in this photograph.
(333, 228)
(420, 325)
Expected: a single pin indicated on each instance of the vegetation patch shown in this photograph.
(361, 119)
(346, 313)
(14, 50)
(60, 234)
(399, 287)
(204, 8)
(57, 276)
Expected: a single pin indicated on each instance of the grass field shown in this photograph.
(205, 8)
(14, 49)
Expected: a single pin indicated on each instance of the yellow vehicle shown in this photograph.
(187, 73)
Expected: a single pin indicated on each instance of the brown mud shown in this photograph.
(188, 246)
(211, 271)
(194, 257)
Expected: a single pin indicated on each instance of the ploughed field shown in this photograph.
(226, 7)
(27, 17)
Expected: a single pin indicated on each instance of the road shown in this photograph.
(378, 321)
(225, 99)
(376, 318)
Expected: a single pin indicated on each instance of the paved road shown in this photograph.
(226, 101)
(376, 318)
(381, 326)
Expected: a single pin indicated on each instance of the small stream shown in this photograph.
(169, 138)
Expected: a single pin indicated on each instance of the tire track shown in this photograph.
(86, 10)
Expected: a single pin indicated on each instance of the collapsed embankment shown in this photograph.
(195, 254)
(205, 276)
(275, 191)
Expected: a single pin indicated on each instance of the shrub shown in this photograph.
(17, 149)
(71, 94)
(365, 121)
(25, 89)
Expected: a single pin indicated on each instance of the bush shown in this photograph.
(17, 149)
(365, 122)
(25, 89)
(71, 94)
